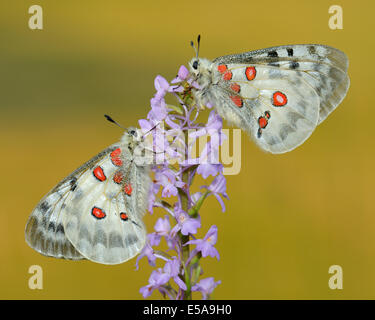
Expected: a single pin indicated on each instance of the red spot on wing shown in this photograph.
(279, 99)
(227, 75)
(222, 68)
(262, 121)
(124, 216)
(115, 157)
(250, 73)
(235, 87)
(267, 114)
(118, 177)
(116, 152)
(128, 189)
(237, 101)
(99, 174)
(98, 213)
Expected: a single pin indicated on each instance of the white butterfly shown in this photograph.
(278, 95)
(96, 212)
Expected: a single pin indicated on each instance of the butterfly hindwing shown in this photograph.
(278, 108)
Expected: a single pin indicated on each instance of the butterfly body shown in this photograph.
(297, 86)
(96, 212)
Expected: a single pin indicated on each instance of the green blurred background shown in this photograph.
(289, 217)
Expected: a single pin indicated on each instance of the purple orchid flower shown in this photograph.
(170, 126)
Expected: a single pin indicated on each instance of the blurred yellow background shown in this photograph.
(289, 217)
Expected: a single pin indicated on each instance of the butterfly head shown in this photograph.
(200, 69)
(132, 137)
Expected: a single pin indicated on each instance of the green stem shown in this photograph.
(193, 212)
(184, 239)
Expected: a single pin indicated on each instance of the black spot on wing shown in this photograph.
(312, 50)
(290, 52)
(293, 65)
(60, 229)
(73, 184)
(44, 207)
(51, 227)
(272, 53)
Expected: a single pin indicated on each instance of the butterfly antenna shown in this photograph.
(198, 42)
(195, 49)
(151, 129)
(113, 121)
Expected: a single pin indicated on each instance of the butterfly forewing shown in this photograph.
(281, 107)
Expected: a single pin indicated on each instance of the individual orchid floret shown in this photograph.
(172, 268)
(206, 245)
(168, 180)
(161, 86)
(182, 75)
(154, 189)
(206, 286)
(218, 187)
(185, 223)
(208, 169)
(156, 281)
(148, 252)
(162, 228)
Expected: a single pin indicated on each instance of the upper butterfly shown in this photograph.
(279, 94)
(96, 212)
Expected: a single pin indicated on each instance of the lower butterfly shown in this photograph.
(96, 212)
(278, 95)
